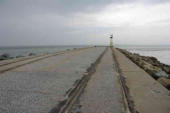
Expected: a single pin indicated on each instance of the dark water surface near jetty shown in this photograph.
(25, 50)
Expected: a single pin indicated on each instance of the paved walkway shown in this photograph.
(103, 91)
(39, 87)
(147, 94)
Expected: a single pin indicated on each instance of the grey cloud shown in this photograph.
(52, 6)
(45, 22)
(21, 7)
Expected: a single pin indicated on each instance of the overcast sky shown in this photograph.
(76, 22)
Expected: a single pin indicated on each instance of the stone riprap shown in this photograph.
(152, 66)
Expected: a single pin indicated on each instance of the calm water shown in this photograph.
(24, 51)
(162, 53)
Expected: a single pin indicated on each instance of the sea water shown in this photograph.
(39, 50)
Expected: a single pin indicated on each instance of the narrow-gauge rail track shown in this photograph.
(88, 96)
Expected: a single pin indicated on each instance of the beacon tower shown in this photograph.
(111, 40)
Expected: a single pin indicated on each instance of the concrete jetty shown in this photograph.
(86, 80)
(103, 91)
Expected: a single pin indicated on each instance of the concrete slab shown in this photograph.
(125, 63)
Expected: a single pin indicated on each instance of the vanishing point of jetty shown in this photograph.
(85, 80)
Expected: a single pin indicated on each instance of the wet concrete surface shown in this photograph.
(40, 86)
(103, 92)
